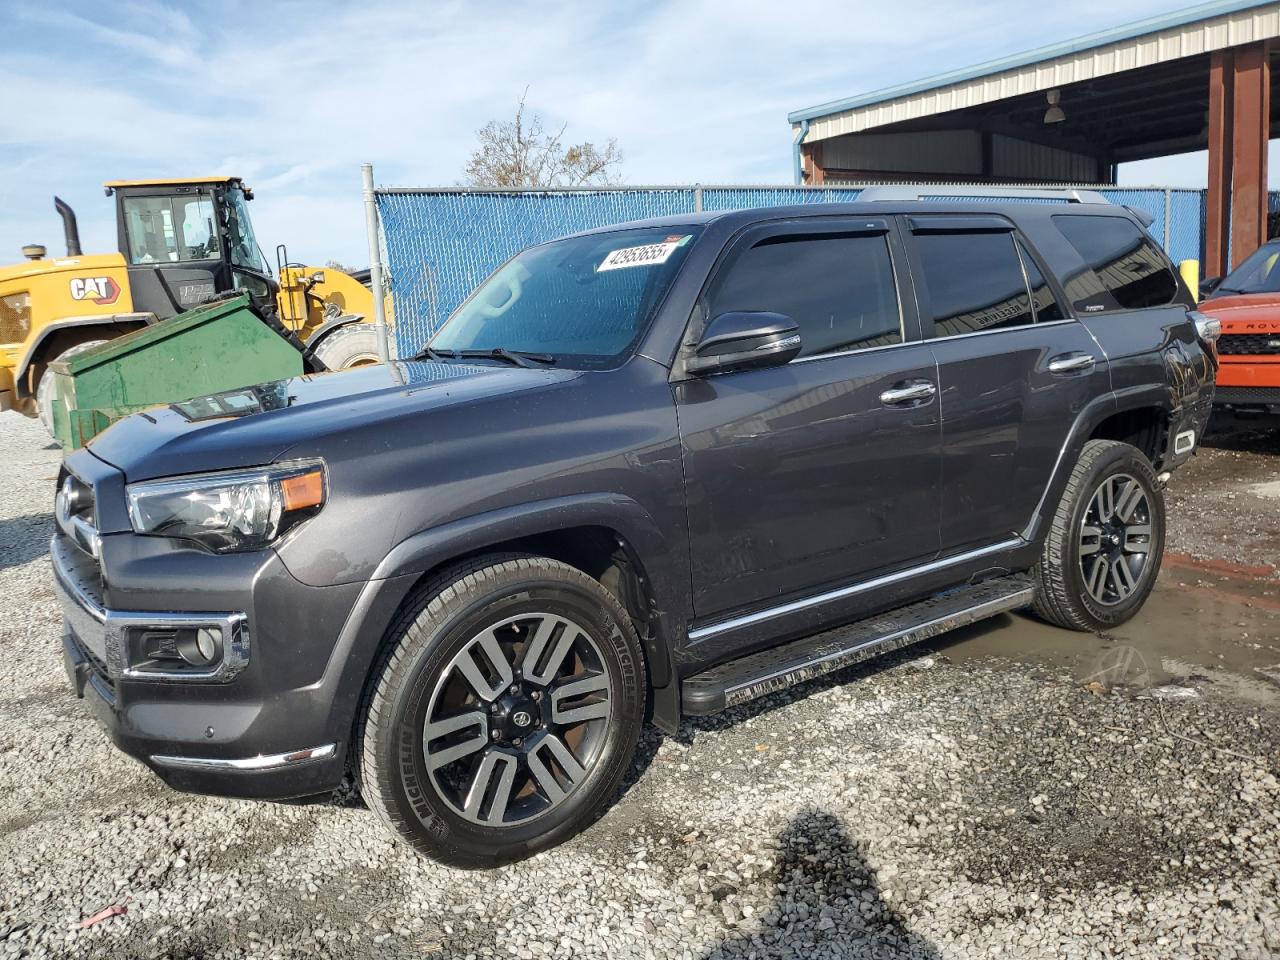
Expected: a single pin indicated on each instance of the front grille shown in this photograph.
(76, 518)
(97, 666)
(1247, 396)
(1248, 344)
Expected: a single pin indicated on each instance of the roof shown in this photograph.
(1186, 32)
(168, 181)
(1012, 208)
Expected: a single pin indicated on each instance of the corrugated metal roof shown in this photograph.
(1183, 33)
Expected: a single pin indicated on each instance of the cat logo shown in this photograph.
(101, 290)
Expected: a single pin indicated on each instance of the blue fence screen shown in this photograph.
(440, 244)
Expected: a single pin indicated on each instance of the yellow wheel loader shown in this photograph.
(181, 241)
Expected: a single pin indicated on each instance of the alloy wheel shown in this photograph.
(517, 719)
(1115, 539)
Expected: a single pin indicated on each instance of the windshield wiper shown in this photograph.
(517, 358)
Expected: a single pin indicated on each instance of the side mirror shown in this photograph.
(1209, 285)
(745, 340)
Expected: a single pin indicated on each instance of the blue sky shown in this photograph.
(294, 96)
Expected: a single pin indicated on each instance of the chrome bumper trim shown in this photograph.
(262, 762)
(103, 632)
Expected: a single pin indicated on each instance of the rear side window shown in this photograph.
(1132, 271)
(838, 288)
(975, 282)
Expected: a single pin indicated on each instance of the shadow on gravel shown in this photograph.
(23, 539)
(1252, 436)
(829, 903)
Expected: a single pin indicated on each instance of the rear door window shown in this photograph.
(838, 288)
(1130, 269)
(975, 282)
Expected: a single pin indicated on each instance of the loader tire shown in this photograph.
(355, 345)
(44, 388)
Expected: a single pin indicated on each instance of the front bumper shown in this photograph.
(249, 729)
(1248, 401)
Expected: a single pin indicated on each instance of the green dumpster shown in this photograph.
(218, 346)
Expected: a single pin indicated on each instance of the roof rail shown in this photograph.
(900, 192)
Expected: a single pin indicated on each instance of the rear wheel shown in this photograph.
(506, 712)
(1105, 543)
(44, 387)
(355, 345)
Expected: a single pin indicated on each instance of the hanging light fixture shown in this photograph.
(1054, 114)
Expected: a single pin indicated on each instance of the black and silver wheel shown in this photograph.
(506, 713)
(1105, 542)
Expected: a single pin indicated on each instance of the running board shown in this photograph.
(780, 667)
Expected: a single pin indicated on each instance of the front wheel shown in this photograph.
(355, 345)
(44, 388)
(506, 713)
(1105, 543)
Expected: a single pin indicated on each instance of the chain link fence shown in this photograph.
(441, 243)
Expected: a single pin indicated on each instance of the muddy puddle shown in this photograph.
(1213, 626)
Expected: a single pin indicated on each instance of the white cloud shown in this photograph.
(294, 96)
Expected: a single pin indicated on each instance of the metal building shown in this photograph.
(1195, 79)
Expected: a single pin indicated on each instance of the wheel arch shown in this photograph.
(326, 328)
(59, 335)
(610, 538)
(1141, 413)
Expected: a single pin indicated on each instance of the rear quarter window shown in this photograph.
(1126, 270)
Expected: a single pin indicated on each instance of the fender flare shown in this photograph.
(404, 565)
(94, 320)
(1087, 420)
(326, 328)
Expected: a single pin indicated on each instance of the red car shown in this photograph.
(1247, 303)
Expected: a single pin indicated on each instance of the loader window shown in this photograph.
(170, 229)
(244, 246)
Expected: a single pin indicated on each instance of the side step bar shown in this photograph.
(768, 671)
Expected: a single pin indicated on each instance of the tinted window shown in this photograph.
(975, 282)
(1132, 270)
(585, 300)
(838, 288)
(1042, 298)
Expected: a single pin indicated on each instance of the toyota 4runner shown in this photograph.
(645, 472)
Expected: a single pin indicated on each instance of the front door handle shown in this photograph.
(1072, 363)
(908, 392)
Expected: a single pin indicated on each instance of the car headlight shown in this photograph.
(229, 512)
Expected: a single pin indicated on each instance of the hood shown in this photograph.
(1245, 311)
(45, 265)
(256, 425)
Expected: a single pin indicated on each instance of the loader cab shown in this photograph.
(186, 240)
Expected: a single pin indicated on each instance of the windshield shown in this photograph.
(585, 301)
(244, 246)
(1258, 273)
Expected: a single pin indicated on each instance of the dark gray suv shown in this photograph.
(644, 472)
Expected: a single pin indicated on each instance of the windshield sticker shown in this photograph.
(643, 256)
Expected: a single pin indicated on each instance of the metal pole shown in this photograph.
(1168, 214)
(697, 198)
(375, 262)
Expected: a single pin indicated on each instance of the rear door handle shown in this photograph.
(909, 391)
(1071, 363)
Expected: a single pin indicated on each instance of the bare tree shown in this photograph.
(520, 153)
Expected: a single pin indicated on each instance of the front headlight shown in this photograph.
(229, 512)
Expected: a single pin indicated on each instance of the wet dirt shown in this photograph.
(1213, 620)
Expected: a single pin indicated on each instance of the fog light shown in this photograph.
(157, 650)
(199, 647)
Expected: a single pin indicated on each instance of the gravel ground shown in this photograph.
(930, 807)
